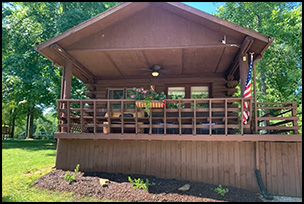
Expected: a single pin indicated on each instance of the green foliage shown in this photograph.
(279, 73)
(70, 177)
(139, 183)
(77, 168)
(220, 190)
(30, 83)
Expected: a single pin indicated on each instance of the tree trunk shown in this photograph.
(13, 127)
(29, 125)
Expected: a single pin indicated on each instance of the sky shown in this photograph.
(208, 7)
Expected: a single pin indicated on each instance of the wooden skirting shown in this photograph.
(177, 137)
(216, 162)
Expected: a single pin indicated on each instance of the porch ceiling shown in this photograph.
(177, 61)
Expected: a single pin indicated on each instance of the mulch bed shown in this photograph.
(120, 189)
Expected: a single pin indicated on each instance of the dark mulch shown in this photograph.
(120, 189)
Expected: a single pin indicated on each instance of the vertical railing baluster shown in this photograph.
(109, 116)
(210, 117)
(94, 119)
(136, 118)
(81, 116)
(150, 117)
(294, 114)
(165, 118)
(226, 117)
(122, 116)
(68, 117)
(194, 117)
(179, 117)
(58, 115)
(242, 110)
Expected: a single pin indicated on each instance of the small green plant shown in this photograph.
(139, 183)
(77, 168)
(70, 177)
(220, 190)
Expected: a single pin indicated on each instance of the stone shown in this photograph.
(104, 182)
(185, 187)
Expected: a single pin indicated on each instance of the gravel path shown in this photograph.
(283, 199)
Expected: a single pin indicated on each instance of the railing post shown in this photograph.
(294, 114)
(165, 118)
(109, 117)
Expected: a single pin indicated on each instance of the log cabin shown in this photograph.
(198, 135)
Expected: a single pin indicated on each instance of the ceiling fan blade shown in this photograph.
(165, 70)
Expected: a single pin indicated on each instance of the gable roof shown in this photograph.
(120, 12)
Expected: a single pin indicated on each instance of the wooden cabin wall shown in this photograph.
(225, 163)
(218, 85)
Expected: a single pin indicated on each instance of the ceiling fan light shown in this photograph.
(155, 74)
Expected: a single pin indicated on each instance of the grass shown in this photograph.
(24, 161)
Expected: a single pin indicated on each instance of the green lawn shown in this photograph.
(24, 161)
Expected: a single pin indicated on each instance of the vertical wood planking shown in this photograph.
(210, 118)
(226, 163)
(285, 169)
(81, 117)
(268, 167)
(68, 116)
(179, 117)
(209, 164)
(292, 173)
(194, 161)
(242, 109)
(94, 119)
(226, 118)
(237, 164)
(215, 163)
(299, 155)
(273, 161)
(194, 117)
(221, 162)
(122, 116)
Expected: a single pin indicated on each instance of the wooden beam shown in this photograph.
(113, 63)
(243, 69)
(177, 137)
(83, 70)
(156, 48)
(244, 49)
(67, 80)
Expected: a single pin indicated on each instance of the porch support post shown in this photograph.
(66, 80)
(243, 63)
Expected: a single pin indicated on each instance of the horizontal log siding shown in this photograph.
(225, 163)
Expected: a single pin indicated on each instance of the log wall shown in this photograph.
(225, 163)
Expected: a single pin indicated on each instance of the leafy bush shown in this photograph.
(139, 183)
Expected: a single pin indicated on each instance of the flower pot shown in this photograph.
(153, 104)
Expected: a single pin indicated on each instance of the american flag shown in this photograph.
(247, 92)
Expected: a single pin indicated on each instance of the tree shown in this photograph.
(30, 82)
(279, 73)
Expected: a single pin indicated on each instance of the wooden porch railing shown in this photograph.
(179, 116)
(277, 118)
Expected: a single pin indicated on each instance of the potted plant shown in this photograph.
(148, 98)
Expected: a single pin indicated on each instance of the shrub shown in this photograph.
(221, 191)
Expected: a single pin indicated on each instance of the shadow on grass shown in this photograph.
(32, 145)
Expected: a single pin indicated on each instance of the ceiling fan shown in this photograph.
(155, 70)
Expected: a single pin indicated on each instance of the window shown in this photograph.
(200, 92)
(176, 93)
(120, 94)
